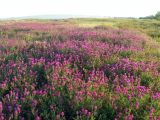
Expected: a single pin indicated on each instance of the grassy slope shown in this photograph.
(149, 27)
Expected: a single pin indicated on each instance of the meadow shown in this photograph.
(80, 69)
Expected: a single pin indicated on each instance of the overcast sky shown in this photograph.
(112, 8)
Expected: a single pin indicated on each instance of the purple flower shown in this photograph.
(1, 107)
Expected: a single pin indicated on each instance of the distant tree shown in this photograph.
(148, 17)
(157, 16)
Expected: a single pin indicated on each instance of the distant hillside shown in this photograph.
(55, 17)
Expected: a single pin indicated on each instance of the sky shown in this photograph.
(106, 8)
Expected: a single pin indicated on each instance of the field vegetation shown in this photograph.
(80, 69)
